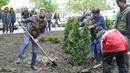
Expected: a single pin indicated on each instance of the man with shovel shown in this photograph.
(37, 27)
(113, 44)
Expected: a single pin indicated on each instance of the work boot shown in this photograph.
(19, 61)
(33, 67)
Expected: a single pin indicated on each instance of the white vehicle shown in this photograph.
(15, 25)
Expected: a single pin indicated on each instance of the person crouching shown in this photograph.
(113, 44)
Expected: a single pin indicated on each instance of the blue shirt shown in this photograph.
(99, 21)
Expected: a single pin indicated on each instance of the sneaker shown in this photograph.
(19, 61)
(34, 67)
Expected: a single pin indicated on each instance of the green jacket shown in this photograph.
(121, 23)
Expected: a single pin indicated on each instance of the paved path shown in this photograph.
(20, 30)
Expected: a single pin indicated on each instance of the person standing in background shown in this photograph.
(6, 19)
(57, 17)
(13, 19)
(48, 18)
(33, 12)
(24, 15)
(0, 14)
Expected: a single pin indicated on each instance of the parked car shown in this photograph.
(16, 24)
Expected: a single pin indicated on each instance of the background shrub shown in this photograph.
(108, 23)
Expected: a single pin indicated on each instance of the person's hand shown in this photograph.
(22, 20)
(36, 40)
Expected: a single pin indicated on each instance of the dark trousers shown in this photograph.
(129, 44)
(121, 60)
(5, 27)
(11, 27)
(49, 25)
(56, 23)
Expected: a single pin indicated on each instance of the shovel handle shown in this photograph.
(97, 66)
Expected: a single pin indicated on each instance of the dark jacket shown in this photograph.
(36, 28)
(123, 22)
(25, 14)
(13, 17)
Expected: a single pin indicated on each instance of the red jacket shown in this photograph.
(113, 41)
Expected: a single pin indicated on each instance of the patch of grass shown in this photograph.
(42, 38)
(53, 39)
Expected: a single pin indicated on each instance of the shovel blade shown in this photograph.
(54, 63)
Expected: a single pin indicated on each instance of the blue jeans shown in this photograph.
(25, 43)
(95, 50)
(26, 25)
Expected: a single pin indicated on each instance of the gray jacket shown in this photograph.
(48, 16)
(122, 22)
(6, 18)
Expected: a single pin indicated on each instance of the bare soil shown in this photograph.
(9, 48)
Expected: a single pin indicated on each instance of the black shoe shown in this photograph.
(34, 67)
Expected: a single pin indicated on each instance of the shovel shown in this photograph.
(53, 62)
(89, 70)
